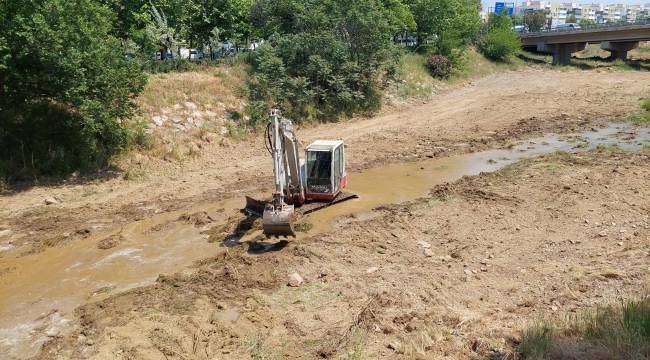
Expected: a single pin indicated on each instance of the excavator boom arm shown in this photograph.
(289, 186)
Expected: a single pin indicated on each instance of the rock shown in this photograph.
(603, 233)
(394, 345)
(50, 200)
(108, 243)
(52, 332)
(467, 272)
(158, 120)
(428, 253)
(424, 244)
(295, 280)
(90, 342)
(323, 273)
(190, 105)
(484, 269)
(554, 308)
(372, 269)
(620, 243)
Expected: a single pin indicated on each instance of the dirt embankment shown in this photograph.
(484, 113)
(453, 275)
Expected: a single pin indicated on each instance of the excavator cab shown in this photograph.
(324, 169)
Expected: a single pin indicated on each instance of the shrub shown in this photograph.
(500, 44)
(62, 107)
(439, 66)
(313, 69)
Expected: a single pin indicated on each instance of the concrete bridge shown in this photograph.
(617, 39)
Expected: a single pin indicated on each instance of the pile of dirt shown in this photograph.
(456, 274)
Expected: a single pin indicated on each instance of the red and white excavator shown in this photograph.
(304, 185)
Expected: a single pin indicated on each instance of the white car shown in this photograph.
(567, 27)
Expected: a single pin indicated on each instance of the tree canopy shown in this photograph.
(65, 85)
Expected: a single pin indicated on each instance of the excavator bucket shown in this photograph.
(278, 222)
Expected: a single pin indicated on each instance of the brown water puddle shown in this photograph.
(38, 295)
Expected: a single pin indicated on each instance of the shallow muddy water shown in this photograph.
(39, 291)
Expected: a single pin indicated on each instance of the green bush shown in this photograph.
(439, 66)
(312, 68)
(66, 88)
(500, 44)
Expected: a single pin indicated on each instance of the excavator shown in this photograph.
(300, 186)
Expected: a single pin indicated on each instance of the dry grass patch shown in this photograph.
(210, 86)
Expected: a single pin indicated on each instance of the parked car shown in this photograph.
(190, 54)
(566, 27)
(520, 28)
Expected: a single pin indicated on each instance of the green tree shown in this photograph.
(327, 57)
(535, 20)
(160, 34)
(66, 87)
(399, 16)
(449, 24)
(500, 42)
(570, 19)
(584, 22)
(231, 17)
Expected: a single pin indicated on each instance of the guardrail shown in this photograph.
(586, 28)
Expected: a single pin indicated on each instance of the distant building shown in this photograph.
(596, 12)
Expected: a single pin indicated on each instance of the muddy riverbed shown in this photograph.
(455, 273)
(40, 291)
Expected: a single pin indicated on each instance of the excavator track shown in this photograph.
(256, 207)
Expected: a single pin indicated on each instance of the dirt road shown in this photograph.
(370, 286)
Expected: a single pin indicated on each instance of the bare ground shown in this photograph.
(453, 275)
(481, 114)
(548, 236)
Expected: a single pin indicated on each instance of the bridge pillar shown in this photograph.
(618, 50)
(561, 52)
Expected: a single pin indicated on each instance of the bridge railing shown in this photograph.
(589, 27)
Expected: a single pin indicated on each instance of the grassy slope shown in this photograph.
(220, 91)
(414, 79)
